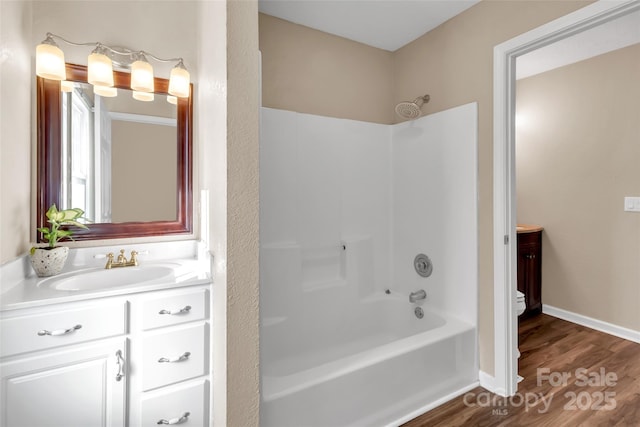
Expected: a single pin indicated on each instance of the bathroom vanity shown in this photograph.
(530, 267)
(134, 354)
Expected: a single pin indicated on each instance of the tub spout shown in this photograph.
(417, 296)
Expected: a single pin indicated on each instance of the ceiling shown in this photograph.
(385, 24)
(391, 24)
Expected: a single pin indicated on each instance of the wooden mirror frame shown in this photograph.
(49, 174)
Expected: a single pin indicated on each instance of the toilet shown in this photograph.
(521, 306)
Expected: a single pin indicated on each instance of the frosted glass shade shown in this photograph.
(172, 100)
(66, 86)
(179, 82)
(50, 62)
(143, 96)
(107, 92)
(100, 70)
(142, 76)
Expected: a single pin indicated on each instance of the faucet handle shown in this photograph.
(134, 256)
(134, 260)
(109, 260)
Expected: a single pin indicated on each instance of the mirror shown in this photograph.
(126, 163)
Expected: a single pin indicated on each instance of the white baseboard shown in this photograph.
(489, 382)
(589, 322)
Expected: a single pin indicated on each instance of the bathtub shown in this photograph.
(373, 363)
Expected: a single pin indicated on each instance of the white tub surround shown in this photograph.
(345, 208)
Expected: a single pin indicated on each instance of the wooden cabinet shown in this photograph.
(530, 268)
(140, 359)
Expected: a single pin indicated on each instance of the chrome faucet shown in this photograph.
(417, 296)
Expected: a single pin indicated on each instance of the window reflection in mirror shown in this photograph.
(119, 156)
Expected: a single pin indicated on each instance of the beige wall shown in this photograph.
(243, 97)
(310, 71)
(454, 64)
(15, 129)
(146, 193)
(577, 151)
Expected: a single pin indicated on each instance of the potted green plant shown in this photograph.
(49, 260)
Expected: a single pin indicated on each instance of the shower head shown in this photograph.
(411, 110)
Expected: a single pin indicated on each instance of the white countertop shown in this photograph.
(22, 289)
(36, 291)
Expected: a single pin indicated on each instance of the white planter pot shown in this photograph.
(49, 262)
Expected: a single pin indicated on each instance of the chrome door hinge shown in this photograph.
(506, 239)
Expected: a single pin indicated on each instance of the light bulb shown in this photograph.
(172, 100)
(179, 81)
(143, 96)
(50, 61)
(142, 76)
(107, 92)
(100, 69)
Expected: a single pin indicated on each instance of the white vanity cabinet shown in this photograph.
(64, 365)
(170, 377)
(129, 360)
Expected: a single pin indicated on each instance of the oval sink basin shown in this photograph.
(103, 278)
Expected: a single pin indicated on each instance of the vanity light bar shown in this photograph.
(50, 65)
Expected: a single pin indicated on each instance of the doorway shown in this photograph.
(505, 55)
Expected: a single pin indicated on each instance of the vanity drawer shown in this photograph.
(170, 357)
(173, 308)
(175, 402)
(39, 330)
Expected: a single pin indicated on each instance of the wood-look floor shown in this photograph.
(559, 346)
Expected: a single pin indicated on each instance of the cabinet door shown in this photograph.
(72, 388)
(534, 279)
(530, 271)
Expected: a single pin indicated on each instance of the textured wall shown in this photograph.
(15, 129)
(577, 151)
(243, 97)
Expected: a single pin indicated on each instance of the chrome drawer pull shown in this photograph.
(183, 356)
(120, 363)
(180, 311)
(175, 420)
(59, 331)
